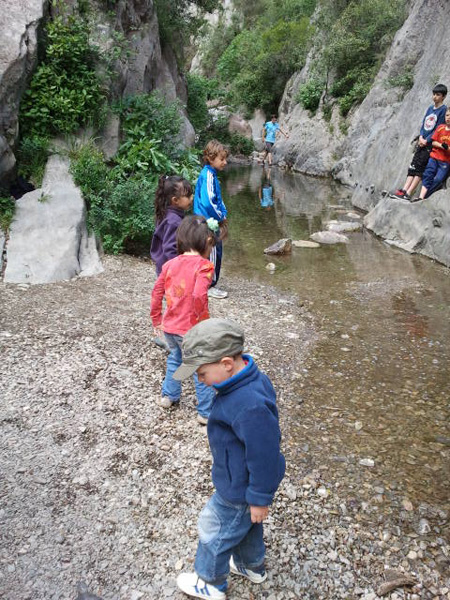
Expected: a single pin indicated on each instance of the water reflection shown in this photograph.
(383, 359)
(266, 192)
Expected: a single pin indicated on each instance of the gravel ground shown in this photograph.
(101, 486)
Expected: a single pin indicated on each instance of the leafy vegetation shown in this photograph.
(267, 41)
(180, 19)
(65, 91)
(360, 33)
(7, 208)
(120, 196)
(258, 51)
(32, 157)
(309, 94)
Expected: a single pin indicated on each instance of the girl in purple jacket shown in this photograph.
(172, 199)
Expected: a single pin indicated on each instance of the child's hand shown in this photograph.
(223, 231)
(259, 513)
(158, 331)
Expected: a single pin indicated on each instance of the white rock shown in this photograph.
(329, 237)
(367, 462)
(305, 244)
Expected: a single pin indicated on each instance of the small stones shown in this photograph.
(423, 527)
(407, 504)
(367, 462)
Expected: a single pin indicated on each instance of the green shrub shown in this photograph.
(239, 144)
(197, 88)
(120, 197)
(65, 91)
(151, 116)
(125, 215)
(404, 80)
(309, 94)
(360, 32)
(90, 173)
(218, 129)
(7, 209)
(32, 158)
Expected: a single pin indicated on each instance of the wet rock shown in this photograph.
(283, 246)
(305, 244)
(343, 226)
(329, 237)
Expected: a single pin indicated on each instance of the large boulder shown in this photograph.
(421, 227)
(20, 21)
(48, 238)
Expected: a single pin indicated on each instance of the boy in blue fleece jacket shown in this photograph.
(244, 436)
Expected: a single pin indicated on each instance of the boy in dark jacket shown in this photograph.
(244, 437)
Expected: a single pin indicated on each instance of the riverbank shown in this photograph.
(102, 486)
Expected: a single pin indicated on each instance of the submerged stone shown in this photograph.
(283, 246)
(305, 244)
(329, 237)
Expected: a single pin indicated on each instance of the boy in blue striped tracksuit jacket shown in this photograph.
(244, 437)
(208, 202)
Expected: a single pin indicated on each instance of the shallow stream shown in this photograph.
(375, 387)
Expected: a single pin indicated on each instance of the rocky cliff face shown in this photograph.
(20, 21)
(148, 67)
(375, 152)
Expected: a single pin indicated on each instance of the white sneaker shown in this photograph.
(193, 585)
(217, 293)
(166, 402)
(254, 577)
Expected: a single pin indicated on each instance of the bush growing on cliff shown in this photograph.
(359, 38)
(32, 158)
(65, 91)
(120, 195)
(309, 94)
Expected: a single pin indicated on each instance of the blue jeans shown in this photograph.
(172, 388)
(434, 175)
(226, 529)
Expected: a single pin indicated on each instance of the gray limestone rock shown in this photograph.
(411, 227)
(343, 226)
(283, 246)
(48, 238)
(329, 237)
(20, 21)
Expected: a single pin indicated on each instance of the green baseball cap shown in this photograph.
(208, 342)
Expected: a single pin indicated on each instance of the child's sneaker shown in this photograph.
(217, 293)
(252, 575)
(202, 420)
(193, 585)
(398, 194)
(166, 402)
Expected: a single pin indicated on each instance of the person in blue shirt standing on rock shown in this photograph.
(270, 130)
(434, 116)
